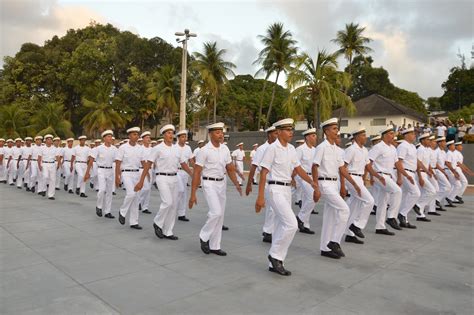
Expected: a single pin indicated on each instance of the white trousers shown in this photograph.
(463, 180)
(3, 175)
(81, 171)
(131, 200)
(36, 178)
(456, 186)
(410, 194)
(360, 206)
(59, 172)
(428, 193)
(431, 206)
(240, 168)
(49, 178)
(286, 225)
(444, 186)
(183, 197)
(166, 216)
(390, 191)
(296, 192)
(20, 173)
(106, 182)
(12, 171)
(215, 194)
(68, 175)
(335, 216)
(269, 223)
(307, 202)
(145, 192)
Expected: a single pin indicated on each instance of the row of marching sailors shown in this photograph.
(403, 177)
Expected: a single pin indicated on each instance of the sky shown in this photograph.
(417, 41)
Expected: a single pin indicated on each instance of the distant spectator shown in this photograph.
(462, 129)
(393, 125)
(417, 129)
(441, 130)
(451, 133)
(470, 128)
(427, 129)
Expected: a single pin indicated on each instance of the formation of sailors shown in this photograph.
(402, 178)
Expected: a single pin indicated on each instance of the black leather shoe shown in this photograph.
(314, 212)
(98, 211)
(146, 211)
(65, 187)
(423, 219)
(277, 267)
(83, 195)
(374, 210)
(205, 247)
(356, 231)
(77, 191)
(402, 220)
(459, 199)
(33, 190)
(434, 213)
(183, 218)
(158, 231)
(114, 193)
(121, 219)
(225, 228)
(410, 226)
(336, 248)
(417, 209)
(305, 230)
(171, 237)
(70, 191)
(353, 239)
(267, 238)
(109, 216)
(57, 188)
(330, 254)
(52, 198)
(384, 232)
(139, 207)
(27, 189)
(300, 223)
(136, 227)
(218, 252)
(440, 209)
(450, 203)
(393, 223)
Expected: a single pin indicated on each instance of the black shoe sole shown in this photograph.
(285, 273)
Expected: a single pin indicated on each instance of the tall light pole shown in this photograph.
(183, 38)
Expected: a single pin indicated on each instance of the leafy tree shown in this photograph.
(50, 119)
(13, 121)
(458, 89)
(164, 91)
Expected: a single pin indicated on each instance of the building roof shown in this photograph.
(377, 105)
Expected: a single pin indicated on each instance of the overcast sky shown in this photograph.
(416, 41)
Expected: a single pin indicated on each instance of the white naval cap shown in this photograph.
(2, 140)
(9, 140)
(432, 137)
(287, 122)
(239, 144)
(160, 140)
(440, 139)
(82, 138)
(17, 139)
(299, 141)
(216, 126)
(97, 140)
(48, 136)
(270, 129)
(386, 129)
(348, 144)
(351, 136)
(377, 137)
(458, 143)
(399, 141)
(181, 132)
(39, 137)
(423, 136)
(358, 130)
(200, 141)
(140, 139)
(166, 128)
(144, 134)
(106, 133)
(133, 129)
(411, 129)
(309, 132)
(69, 139)
(56, 138)
(254, 145)
(154, 142)
(450, 142)
(331, 121)
(28, 138)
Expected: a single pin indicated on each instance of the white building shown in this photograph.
(376, 112)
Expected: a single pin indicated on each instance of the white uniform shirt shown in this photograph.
(459, 157)
(408, 154)
(329, 159)
(195, 152)
(15, 153)
(440, 130)
(238, 155)
(7, 153)
(213, 160)
(26, 152)
(48, 154)
(67, 154)
(104, 156)
(451, 157)
(433, 158)
(424, 155)
(81, 153)
(131, 156)
(280, 161)
(167, 158)
(356, 158)
(259, 154)
(384, 157)
(185, 152)
(252, 154)
(441, 157)
(306, 156)
(36, 151)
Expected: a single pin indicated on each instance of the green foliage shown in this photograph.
(458, 89)
(49, 119)
(466, 113)
(13, 121)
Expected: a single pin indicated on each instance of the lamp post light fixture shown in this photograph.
(183, 38)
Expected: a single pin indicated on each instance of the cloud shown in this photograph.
(36, 21)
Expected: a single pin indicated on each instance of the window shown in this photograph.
(378, 122)
(344, 123)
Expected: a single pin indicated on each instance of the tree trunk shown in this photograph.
(215, 109)
(261, 103)
(271, 100)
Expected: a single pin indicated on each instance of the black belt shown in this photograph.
(33, 160)
(130, 170)
(106, 167)
(167, 174)
(355, 174)
(67, 160)
(48, 162)
(328, 178)
(309, 174)
(213, 179)
(80, 162)
(274, 182)
(406, 169)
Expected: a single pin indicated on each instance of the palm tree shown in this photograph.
(213, 70)
(51, 119)
(101, 115)
(267, 69)
(277, 55)
(13, 121)
(319, 83)
(352, 43)
(163, 91)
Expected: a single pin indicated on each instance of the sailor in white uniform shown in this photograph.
(79, 159)
(186, 155)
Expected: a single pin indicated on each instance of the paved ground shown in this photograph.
(59, 258)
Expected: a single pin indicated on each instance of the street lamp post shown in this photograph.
(182, 104)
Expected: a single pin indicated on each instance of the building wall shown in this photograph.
(368, 122)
